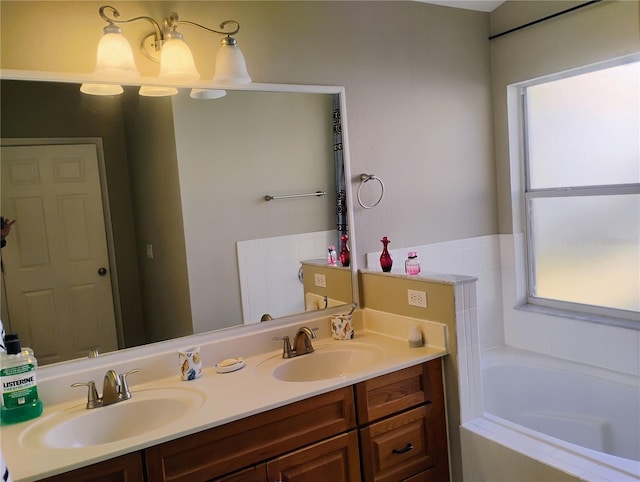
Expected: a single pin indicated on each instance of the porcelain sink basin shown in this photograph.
(331, 361)
(146, 411)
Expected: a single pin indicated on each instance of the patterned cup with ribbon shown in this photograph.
(190, 363)
(342, 327)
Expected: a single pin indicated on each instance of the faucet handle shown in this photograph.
(93, 400)
(286, 347)
(125, 394)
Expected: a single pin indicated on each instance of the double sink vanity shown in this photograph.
(370, 408)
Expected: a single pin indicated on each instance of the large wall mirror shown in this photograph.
(155, 211)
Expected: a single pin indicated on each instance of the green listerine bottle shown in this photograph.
(20, 400)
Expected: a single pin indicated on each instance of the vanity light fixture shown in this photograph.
(114, 60)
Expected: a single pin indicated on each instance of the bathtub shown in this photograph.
(582, 420)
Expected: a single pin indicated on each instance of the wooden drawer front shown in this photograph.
(225, 449)
(426, 476)
(333, 460)
(398, 447)
(126, 468)
(257, 473)
(392, 393)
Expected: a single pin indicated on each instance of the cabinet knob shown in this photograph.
(403, 450)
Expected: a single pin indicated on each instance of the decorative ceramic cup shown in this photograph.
(190, 363)
(342, 327)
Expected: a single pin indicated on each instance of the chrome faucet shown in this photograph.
(115, 388)
(301, 344)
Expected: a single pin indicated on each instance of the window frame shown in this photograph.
(537, 303)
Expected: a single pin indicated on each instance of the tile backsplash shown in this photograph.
(478, 257)
(268, 270)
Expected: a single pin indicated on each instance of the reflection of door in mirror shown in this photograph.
(58, 294)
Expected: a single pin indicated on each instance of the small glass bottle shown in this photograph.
(412, 265)
(345, 256)
(332, 257)
(386, 262)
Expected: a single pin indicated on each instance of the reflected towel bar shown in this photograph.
(286, 196)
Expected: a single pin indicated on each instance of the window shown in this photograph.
(582, 190)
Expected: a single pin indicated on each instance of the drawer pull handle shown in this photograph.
(403, 450)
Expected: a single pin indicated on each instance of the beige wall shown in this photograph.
(592, 34)
(417, 80)
(155, 192)
(231, 153)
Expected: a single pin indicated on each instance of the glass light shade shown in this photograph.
(207, 93)
(115, 58)
(176, 61)
(101, 89)
(157, 91)
(230, 66)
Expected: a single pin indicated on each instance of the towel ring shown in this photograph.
(364, 178)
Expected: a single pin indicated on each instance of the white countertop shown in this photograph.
(227, 397)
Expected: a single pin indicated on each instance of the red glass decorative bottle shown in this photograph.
(345, 256)
(385, 258)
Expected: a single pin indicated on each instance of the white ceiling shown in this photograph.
(481, 5)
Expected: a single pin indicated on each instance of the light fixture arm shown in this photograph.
(222, 26)
(158, 32)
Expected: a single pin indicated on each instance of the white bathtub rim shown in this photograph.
(552, 451)
(501, 355)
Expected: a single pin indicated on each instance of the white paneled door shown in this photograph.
(56, 276)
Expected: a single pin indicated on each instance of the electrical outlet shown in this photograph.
(150, 251)
(320, 280)
(417, 298)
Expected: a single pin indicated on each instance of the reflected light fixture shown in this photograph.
(207, 93)
(115, 60)
(157, 91)
(101, 89)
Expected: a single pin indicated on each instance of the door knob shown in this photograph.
(102, 271)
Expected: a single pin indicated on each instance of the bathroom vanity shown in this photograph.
(380, 417)
(393, 426)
